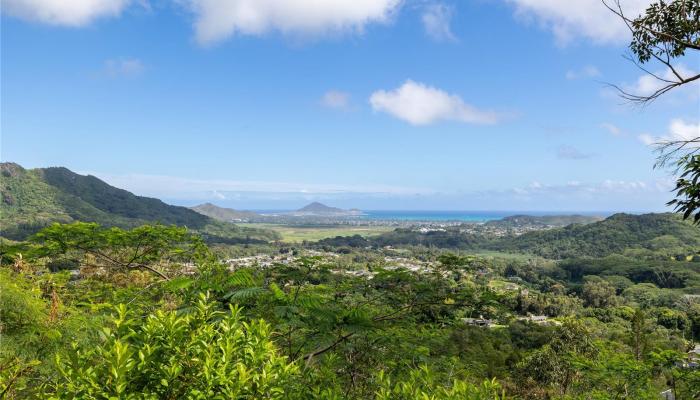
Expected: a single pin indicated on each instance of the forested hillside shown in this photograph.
(543, 220)
(34, 198)
(90, 312)
(665, 234)
(615, 234)
(222, 213)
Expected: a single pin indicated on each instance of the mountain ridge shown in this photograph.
(615, 234)
(31, 199)
(223, 213)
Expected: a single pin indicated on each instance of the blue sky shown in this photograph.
(376, 104)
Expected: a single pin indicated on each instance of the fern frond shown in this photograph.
(243, 294)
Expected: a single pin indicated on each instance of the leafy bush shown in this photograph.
(422, 384)
(202, 354)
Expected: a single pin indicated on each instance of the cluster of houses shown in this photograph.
(267, 260)
(428, 229)
(393, 263)
(692, 361)
(489, 323)
(500, 231)
(260, 260)
(693, 358)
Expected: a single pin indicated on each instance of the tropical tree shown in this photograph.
(556, 365)
(687, 188)
(665, 34)
(148, 247)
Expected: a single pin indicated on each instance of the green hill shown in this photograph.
(542, 221)
(34, 198)
(317, 207)
(223, 214)
(615, 234)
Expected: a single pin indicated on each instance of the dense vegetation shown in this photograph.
(615, 234)
(223, 214)
(94, 313)
(116, 308)
(32, 199)
(543, 220)
(649, 235)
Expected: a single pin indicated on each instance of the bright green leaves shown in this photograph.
(423, 384)
(687, 189)
(666, 29)
(146, 247)
(204, 354)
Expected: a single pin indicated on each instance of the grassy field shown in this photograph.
(296, 234)
(499, 254)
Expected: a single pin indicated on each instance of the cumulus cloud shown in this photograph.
(579, 18)
(64, 12)
(123, 67)
(436, 22)
(678, 130)
(336, 99)
(216, 20)
(588, 71)
(420, 104)
(571, 153)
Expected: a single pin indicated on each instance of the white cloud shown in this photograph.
(572, 188)
(588, 71)
(215, 20)
(648, 84)
(218, 195)
(613, 129)
(172, 187)
(420, 104)
(64, 12)
(568, 19)
(123, 67)
(336, 99)
(436, 22)
(647, 139)
(678, 130)
(610, 194)
(623, 186)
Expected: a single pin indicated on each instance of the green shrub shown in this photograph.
(421, 384)
(201, 354)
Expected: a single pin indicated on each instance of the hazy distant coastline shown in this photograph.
(447, 215)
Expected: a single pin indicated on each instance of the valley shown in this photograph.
(509, 301)
(350, 200)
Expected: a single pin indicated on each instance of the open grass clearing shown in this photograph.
(297, 234)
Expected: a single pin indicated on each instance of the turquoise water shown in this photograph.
(470, 216)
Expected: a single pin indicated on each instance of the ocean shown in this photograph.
(467, 216)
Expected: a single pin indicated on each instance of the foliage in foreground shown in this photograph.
(202, 354)
(209, 354)
(612, 329)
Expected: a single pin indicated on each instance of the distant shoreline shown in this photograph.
(448, 215)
